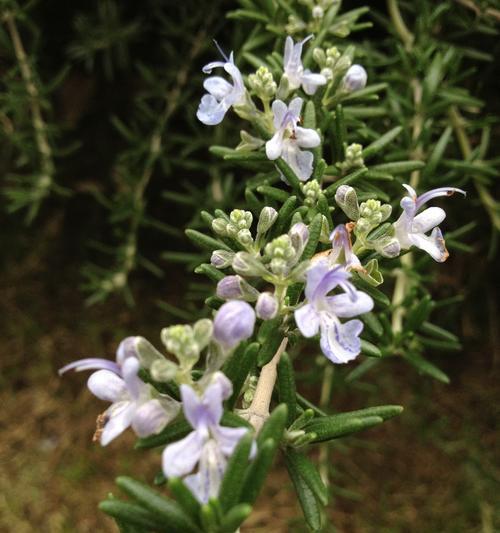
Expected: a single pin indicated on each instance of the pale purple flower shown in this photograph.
(221, 94)
(289, 138)
(355, 78)
(342, 249)
(233, 323)
(266, 306)
(411, 228)
(209, 445)
(294, 70)
(133, 402)
(339, 341)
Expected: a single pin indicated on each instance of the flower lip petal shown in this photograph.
(91, 363)
(119, 418)
(340, 342)
(149, 418)
(343, 306)
(107, 386)
(179, 458)
(435, 193)
(216, 86)
(428, 219)
(307, 320)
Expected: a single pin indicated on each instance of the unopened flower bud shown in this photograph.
(319, 56)
(299, 235)
(164, 370)
(233, 323)
(262, 83)
(179, 340)
(219, 226)
(355, 78)
(353, 157)
(236, 288)
(311, 190)
(248, 265)
(317, 12)
(389, 248)
(347, 200)
(221, 258)
(266, 306)
(244, 237)
(202, 332)
(267, 218)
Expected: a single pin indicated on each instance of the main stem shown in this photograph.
(258, 411)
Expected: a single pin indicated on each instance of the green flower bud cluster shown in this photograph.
(280, 253)
(327, 60)
(353, 157)
(311, 190)
(250, 387)
(295, 25)
(374, 212)
(262, 84)
(237, 227)
(187, 342)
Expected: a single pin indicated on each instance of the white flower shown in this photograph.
(294, 70)
(411, 228)
(289, 138)
(221, 94)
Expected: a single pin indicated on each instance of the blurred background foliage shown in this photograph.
(103, 166)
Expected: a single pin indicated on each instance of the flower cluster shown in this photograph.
(288, 140)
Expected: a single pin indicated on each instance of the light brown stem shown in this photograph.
(402, 284)
(39, 126)
(258, 411)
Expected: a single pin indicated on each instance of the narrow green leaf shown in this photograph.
(173, 432)
(258, 470)
(235, 517)
(438, 151)
(332, 427)
(314, 234)
(418, 314)
(440, 333)
(210, 271)
(238, 367)
(184, 497)
(289, 174)
(232, 483)
(373, 324)
(284, 215)
(273, 192)
(270, 344)
(307, 499)
(426, 367)
(131, 513)
(205, 242)
(377, 145)
(274, 426)
(330, 191)
(168, 511)
(369, 349)
(309, 473)
(399, 167)
(286, 386)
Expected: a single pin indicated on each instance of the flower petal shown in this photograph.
(340, 342)
(342, 305)
(192, 406)
(311, 82)
(315, 273)
(119, 417)
(150, 418)
(91, 363)
(210, 111)
(306, 137)
(179, 458)
(295, 107)
(135, 385)
(435, 193)
(218, 87)
(307, 320)
(274, 146)
(107, 386)
(228, 438)
(207, 69)
(433, 244)
(279, 109)
(211, 471)
(428, 219)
